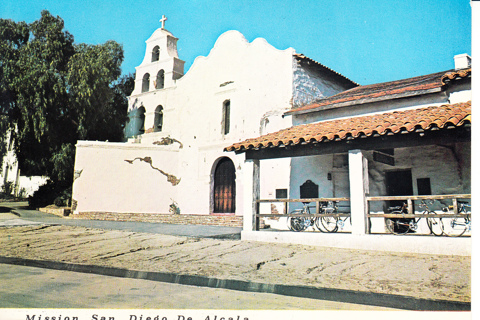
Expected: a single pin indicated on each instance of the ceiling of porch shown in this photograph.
(391, 123)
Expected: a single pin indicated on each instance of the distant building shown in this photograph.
(11, 179)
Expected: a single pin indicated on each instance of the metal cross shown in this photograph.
(163, 21)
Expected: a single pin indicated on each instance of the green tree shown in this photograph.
(54, 92)
(42, 100)
(13, 36)
(92, 76)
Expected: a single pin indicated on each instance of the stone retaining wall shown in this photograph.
(214, 220)
(63, 212)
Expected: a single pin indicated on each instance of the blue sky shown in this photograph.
(369, 41)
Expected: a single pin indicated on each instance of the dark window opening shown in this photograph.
(398, 183)
(156, 53)
(158, 122)
(146, 82)
(160, 83)
(141, 120)
(424, 187)
(226, 117)
(281, 194)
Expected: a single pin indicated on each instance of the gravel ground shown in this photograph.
(413, 275)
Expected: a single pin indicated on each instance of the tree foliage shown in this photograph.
(54, 92)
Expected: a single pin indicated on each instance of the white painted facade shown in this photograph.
(258, 81)
(356, 175)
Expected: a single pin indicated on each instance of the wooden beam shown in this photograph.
(434, 197)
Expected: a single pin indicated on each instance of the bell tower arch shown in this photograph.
(161, 58)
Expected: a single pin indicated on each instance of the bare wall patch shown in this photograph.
(170, 177)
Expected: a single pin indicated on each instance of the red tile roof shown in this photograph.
(351, 128)
(386, 90)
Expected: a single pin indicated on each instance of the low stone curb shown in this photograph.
(196, 219)
(61, 212)
(329, 294)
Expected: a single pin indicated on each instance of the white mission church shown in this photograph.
(251, 127)
(181, 123)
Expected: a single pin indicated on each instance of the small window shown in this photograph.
(156, 54)
(281, 193)
(424, 187)
(160, 83)
(146, 82)
(158, 119)
(226, 117)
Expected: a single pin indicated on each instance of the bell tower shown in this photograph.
(160, 66)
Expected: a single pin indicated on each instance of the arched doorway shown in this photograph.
(224, 187)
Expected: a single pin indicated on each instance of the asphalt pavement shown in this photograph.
(30, 287)
(28, 216)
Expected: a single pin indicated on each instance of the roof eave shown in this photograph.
(364, 101)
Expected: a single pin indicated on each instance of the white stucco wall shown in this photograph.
(460, 92)
(104, 181)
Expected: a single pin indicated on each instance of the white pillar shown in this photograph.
(251, 192)
(358, 175)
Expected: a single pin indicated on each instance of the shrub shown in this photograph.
(22, 194)
(7, 187)
(64, 198)
(44, 196)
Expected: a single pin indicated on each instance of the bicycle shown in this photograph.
(456, 226)
(324, 224)
(433, 223)
(401, 225)
(331, 223)
(301, 223)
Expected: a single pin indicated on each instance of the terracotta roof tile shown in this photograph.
(385, 123)
(385, 90)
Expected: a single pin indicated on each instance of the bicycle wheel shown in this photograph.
(297, 224)
(435, 224)
(329, 223)
(396, 225)
(454, 227)
(318, 224)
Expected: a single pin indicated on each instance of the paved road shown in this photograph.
(29, 217)
(29, 287)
